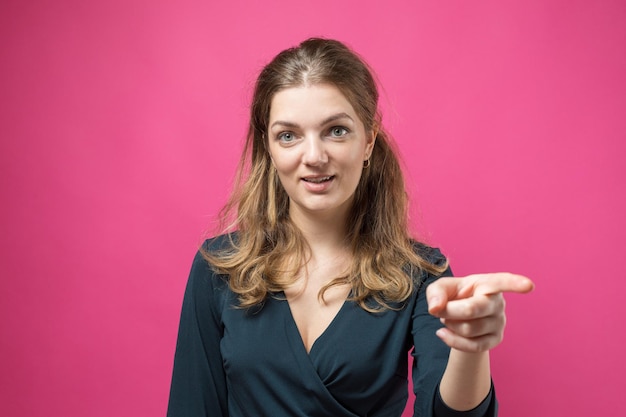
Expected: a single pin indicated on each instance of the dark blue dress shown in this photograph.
(237, 362)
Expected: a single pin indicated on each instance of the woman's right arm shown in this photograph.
(198, 381)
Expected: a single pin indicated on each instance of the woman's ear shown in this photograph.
(371, 141)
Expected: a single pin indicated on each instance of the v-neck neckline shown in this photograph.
(328, 328)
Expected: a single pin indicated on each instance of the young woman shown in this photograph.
(309, 306)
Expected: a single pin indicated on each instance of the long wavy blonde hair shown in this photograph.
(268, 250)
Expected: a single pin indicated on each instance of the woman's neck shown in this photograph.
(325, 233)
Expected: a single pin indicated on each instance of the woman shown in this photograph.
(310, 306)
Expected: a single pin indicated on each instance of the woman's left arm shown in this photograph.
(472, 311)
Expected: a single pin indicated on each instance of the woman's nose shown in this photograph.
(314, 152)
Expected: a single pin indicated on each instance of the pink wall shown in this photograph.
(120, 125)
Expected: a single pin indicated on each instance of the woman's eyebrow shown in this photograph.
(285, 124)
(336, 117)
(324, 122)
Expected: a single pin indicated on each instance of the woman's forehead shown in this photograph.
(311, 104)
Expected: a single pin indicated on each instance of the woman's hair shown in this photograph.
(268, 250)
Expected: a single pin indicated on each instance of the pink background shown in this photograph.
(121, 123)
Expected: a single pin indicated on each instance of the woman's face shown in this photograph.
(318, 145)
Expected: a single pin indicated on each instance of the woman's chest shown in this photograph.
(356, 348)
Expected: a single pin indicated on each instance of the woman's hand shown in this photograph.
(472, 308)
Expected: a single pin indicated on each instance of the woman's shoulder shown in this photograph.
(219, 243)
(430, 254)
(202, 268)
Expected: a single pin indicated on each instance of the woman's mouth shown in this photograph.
(318, 180)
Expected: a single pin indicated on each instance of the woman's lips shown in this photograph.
(318, 183)
(318, 180)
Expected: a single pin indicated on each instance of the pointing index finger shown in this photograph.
(444, 290)
(503, 282)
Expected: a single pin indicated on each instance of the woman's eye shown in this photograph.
(338, 131)
(286, 137)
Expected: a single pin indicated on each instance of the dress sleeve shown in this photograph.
(487, 408)
(430, 357)
(198, 381)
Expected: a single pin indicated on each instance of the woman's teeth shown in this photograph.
(318, 180)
